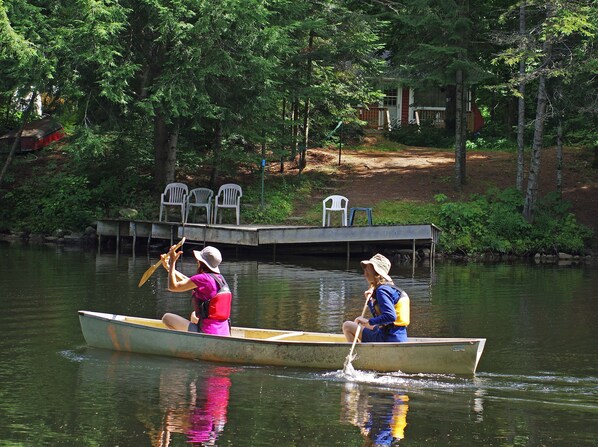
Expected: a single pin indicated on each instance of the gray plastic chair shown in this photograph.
(200, 198)
(229, 196)
(175, 194)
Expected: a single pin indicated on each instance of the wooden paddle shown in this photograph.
(150, 271)
(348, 367)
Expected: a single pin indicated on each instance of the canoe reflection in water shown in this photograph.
(380, 416)
(199, 413)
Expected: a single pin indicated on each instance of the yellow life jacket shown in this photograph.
(401, 307)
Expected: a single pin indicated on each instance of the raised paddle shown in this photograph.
(150, 271)
(348, 368)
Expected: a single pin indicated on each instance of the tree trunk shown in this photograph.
(295, 131)
(531, 193)
(217, 152)
(559, 156)
(450, 112)
(165, 144)
(282, 135)
(521, 108)
(305, 139)
(307, 106)
(534, 170)
(17, 142)
(460, 132)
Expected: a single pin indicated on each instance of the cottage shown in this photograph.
(407, 105)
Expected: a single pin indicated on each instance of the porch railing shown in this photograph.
(379, 118)
(375, 117)
(436, 117)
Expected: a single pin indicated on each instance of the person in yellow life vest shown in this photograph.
(388, 304)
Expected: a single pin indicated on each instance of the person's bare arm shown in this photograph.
(177, 282)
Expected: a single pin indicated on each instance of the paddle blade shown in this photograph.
(348, 369)
(149, 272)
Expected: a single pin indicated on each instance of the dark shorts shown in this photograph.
(193, 327)
(396, 334)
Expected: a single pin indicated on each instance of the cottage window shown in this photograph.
(390, 97)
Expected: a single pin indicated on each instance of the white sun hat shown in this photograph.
(210, 257)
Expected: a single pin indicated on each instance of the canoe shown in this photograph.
(250, 346)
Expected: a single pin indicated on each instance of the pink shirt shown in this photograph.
(205, 290)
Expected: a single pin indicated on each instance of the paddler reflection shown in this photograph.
(198, 412)
(380, 415)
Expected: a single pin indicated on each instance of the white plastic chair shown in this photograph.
(229, 196)
(175, 194)
(200, 198)
(337, 203)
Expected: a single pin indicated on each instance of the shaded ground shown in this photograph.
(418, 174)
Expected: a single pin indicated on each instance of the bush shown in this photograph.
(494, 223)
(491, 144)
(423, 135)
(556, 229)
(62, 200)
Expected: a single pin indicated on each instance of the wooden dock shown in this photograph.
(351, 239)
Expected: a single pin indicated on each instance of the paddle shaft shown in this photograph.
(150, 271)
(365, 306)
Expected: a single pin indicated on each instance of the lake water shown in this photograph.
(537, 382)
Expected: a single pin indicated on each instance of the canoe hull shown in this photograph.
(281, 348)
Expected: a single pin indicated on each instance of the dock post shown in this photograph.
(134, 225)
(413, 254)
(117, 237)
(348, 254)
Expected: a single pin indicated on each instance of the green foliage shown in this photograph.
(383, 145)
(556, 229)
(392, 212)
(423, 135)
(494, 223)
(281, 195)
(61, 200)
(277, 205)
(491, 144)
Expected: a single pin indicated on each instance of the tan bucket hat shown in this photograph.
(381, 265)
(210, 257)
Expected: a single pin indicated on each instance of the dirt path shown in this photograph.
(418, 174)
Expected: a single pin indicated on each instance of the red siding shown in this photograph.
(405, 106)
(478, 119)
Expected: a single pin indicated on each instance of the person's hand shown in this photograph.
(362, 320)
(368, 293)
(174, 255)
(194, 318)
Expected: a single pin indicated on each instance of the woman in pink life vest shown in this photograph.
(211, 295)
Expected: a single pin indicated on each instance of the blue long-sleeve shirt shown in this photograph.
(386, 297)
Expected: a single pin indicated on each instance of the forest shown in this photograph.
(149, 91)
